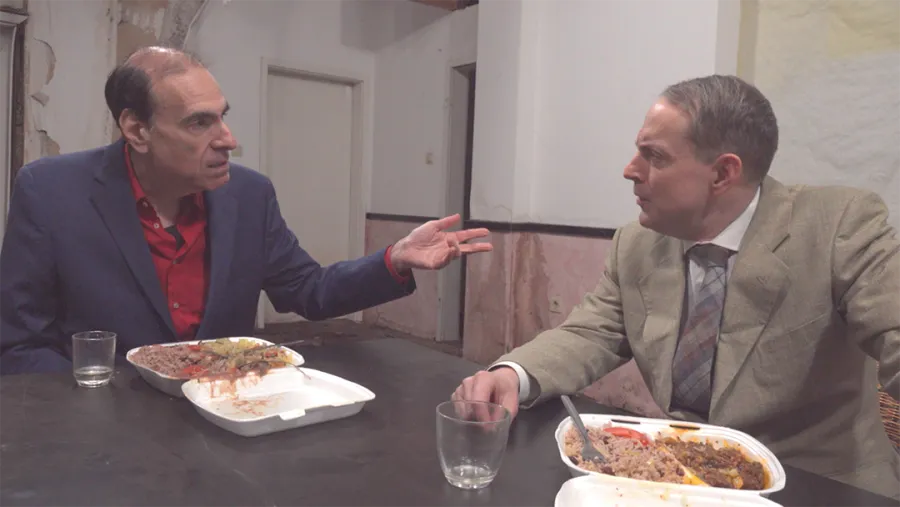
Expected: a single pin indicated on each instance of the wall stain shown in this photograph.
(487, 309)
(530, 287)
(49, 147)
(51, 59)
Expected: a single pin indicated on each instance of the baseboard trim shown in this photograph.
(493, 226)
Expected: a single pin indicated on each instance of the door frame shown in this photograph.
(359, 82)
(9, 22)
(450, 326)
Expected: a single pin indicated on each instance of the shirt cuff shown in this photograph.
(401, 279)
(524, 387)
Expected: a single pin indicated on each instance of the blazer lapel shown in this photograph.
(114, 201)
(757, 285)
(662, 291)
(222, 216)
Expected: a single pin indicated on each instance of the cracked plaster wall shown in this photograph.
(70, 48)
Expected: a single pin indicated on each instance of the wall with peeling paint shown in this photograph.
(18, 5)
(69, 49)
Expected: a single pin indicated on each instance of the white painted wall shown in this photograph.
(335, 36)
(562, 91)
(504, 87)
(832, 70)
(412, 93)
(69, 50)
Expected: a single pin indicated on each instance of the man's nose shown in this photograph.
(633, 169)
(226, 140)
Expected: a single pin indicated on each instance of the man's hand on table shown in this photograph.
(500, 386)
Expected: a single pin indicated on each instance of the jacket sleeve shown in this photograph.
(867, 284)
(295, 282)
(590, 343)
(28, 292)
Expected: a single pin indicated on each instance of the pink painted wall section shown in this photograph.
(416, 314)
(508, 300)
(488, 302)
(508, 303)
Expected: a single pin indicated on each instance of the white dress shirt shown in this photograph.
(729, 238)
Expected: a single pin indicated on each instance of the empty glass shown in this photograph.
(93, 357)
(471, 440)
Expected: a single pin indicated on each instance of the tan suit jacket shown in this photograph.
(812, 302)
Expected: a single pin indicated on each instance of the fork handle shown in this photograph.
(576, 418)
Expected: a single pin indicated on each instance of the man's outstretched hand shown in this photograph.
(431, 246)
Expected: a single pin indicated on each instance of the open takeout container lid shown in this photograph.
(718, 436)
(591, 491)
(283, 398)
(172, 385)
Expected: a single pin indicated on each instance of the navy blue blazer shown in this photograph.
(74, 258)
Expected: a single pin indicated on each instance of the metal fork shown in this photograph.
(588, 451)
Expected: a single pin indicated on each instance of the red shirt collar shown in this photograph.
(140, 196)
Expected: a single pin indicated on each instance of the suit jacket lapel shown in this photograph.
(662, 291)
(757, 285)
(222, 218)
(114, 201)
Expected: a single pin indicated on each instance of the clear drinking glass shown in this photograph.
(471, 441)
(93, 357)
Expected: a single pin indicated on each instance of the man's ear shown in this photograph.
(136, 132)
(729, 171)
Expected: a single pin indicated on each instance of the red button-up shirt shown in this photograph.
(179, 256)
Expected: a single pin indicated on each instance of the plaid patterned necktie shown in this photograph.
(695, 353)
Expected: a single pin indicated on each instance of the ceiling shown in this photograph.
(450, 5)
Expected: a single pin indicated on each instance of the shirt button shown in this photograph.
(146, 204)
(175, 305)
(156, 226)
(175, 261)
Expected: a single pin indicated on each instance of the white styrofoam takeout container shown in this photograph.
(172, 385)
(281, 399)
(653, 428)
(590, 491)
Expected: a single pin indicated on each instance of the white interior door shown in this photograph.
(309, 147)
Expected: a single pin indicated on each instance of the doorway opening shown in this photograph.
(452, 279)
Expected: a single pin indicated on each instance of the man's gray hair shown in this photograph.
(728, 115)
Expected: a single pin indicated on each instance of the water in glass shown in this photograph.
(471, 441)
(93, 357)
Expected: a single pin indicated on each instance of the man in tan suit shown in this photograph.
(744, 302)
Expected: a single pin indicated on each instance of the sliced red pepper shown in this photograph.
(195, 348)
(192, 370)
(628, 433)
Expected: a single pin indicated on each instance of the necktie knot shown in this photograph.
(710, 254)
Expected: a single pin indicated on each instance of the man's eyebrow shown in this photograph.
(645, 146)
(206, 114)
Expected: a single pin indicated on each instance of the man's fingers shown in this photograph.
(482, 388)
(510, 401)
(447, 222)
(468, 234)
(467, 248)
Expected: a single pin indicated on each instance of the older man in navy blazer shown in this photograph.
(157, 237)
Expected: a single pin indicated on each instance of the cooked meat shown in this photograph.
(218, 357)
(666, 459)
(723, 468)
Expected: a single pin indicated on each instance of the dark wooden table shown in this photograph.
(128, 444)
